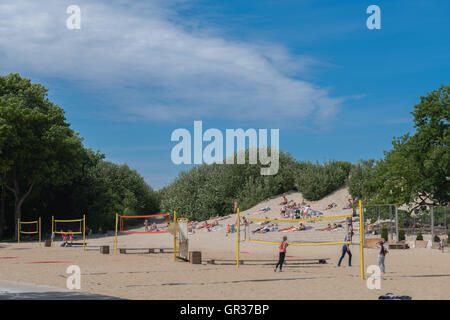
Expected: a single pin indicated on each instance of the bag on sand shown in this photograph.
(391, 296)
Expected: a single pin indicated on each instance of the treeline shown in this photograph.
(46, 171)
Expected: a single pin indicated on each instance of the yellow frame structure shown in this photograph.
(175, 237)
(83, 226)
(238, 238)
(361, 232)
(361, 238)
(297, 220)
(38, 231)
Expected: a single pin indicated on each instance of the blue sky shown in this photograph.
(137, 70)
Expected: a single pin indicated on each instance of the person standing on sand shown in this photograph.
(442, 245)
(282, 247)
(381, 256)
(346, 250)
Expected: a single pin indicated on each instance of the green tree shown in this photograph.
(208, 190)
(361, 183)
(37, 145)
(417, 169)
(112, 188)
(315, 180)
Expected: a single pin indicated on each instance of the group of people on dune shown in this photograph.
(213, 224)
(208, 226)
(293, 210)
(267, 226)
(151, 228)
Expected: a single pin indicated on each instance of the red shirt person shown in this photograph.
(282, 247)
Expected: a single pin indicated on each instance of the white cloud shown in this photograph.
(150, 64)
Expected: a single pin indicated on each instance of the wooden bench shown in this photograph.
(223, 262)
(146, 250)
(75, 244)
(398, 246)
(269, 262)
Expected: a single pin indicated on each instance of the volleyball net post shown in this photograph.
(84, 232)
(238, 224)
(181, 244)
(53, 231)
(36, 231)
(115, 237)
(175, 236)
(361, 238)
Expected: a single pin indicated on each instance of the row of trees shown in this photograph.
(46, 171)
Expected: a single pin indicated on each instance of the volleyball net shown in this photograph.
(331, 230)
(154, 223)
(141, 224)
(70, 227)
(29, 228)
(310, 231)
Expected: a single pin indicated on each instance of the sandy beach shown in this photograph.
(419, 273)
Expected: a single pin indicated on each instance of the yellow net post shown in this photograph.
(18, 231)
(175, 236)
(237, 235)
(53, 221)
(39, 231)
(181, 231)
(84, 232)
(115, 238)
(361, 238)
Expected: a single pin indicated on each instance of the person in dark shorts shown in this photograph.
(346, 250)
(283, 245)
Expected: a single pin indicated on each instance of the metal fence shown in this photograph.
(426, 220)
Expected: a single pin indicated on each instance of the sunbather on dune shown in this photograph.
(230, 229)
(214, 223)
(285, 201)
(300, 227)
(330, 206)
(203, 225)
(267, 228)
(292, 228)
(328, 227)
(283, 211)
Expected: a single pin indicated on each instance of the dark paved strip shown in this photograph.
(10, 290)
